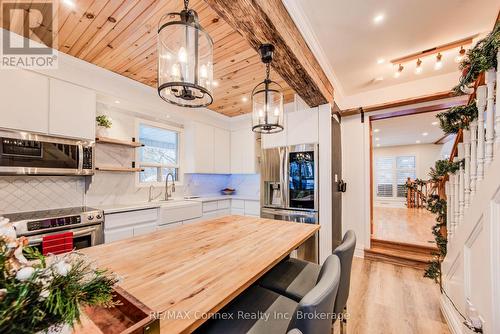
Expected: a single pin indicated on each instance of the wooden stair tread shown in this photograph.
(403, 246)
(401, 254)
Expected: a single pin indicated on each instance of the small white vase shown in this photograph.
(101, 131)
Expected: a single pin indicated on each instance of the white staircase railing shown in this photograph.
(471, 269)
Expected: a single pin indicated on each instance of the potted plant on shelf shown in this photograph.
(44, 294)
(103, 124)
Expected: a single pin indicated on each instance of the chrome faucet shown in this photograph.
(167, 193)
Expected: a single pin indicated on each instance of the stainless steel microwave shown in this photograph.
(23, 153)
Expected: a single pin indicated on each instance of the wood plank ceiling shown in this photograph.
(121, 36)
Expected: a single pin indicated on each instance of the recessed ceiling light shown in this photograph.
(215, 83)
(439, 62)
(69, 3)
(434, 123)
(376, 130)
(397, 74)
(425, 134)
(461, 55)
(117, 102)
(379, 18)
(377, 139)
(380, 61)
(418, 69)
(418, 142)
(244, 99)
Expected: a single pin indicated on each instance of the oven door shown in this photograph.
(83, 237)
(31, 154)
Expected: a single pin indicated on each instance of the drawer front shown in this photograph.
(224, 204)
(176, 214)
(118, 234)
(209, 206)
(238, 204)
(252, 208)
(121, 219)
(169, 226)
(144, 229)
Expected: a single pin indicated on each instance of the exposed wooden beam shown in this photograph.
(267, 21)
(401, 103)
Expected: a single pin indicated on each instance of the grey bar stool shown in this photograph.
(280, 314)
(294, 278)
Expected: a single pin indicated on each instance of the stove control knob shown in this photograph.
(90, 217)
(98, 216)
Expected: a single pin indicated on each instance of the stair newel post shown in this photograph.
(497, 106)
(490, 116)
(461, 185)
(473, 158)
(466, 136)
(449, 198)
(456, 199)
(481, 104)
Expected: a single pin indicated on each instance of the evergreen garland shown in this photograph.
(458, 117)
(480, 58)
(443, 167)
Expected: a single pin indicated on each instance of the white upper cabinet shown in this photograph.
(208, 149)
(24, 98)
(222, 151)
(72, 110)
(303, 126)
(199, 148)
(243, 152)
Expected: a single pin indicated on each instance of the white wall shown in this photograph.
(356, 172)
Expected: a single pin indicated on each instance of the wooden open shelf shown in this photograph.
(106, 140)
(119, 169)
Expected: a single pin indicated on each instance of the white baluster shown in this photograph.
(456, 202)
(473, 158)
(461, 185)
(497, 106)
(481, 104)
(466, 134)
(448, 188)
(490, 116)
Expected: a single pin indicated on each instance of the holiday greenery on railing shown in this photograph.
(437, 205)
(482, 57)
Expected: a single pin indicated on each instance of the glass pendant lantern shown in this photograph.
(267, 99)
(185, 60)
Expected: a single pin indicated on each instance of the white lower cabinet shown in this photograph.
(168, 226)
(122, 225)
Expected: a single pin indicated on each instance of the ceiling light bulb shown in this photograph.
(176, 72)
(117, 102)
(215, 83)
(182, 55)
(276, 111)
(203, 71)
(418, 142)
(434, 123)
(69, 3)
(461, 55)
(439, 62)
(261, 113)
(244, 99)
(380, 61)
(418, 69)
(397, 74)
(425, 134)
(378, 18)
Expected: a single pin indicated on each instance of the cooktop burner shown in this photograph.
(46, 214)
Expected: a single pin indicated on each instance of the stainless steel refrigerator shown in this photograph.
(289, 189)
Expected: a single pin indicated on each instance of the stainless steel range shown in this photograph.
(84, 223)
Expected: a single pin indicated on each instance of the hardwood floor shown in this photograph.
(390, 299)
(412, 226)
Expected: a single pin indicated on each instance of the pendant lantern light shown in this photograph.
(267, 99)
(185, 60)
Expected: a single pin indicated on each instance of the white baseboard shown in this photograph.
(451, 316)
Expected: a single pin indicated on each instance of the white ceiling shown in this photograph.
(352, 43)
(407, 130)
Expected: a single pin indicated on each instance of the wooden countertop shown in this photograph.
(200, 267)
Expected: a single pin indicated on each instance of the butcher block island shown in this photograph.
(186, 273)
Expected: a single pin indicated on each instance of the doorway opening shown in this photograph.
(402, 151)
